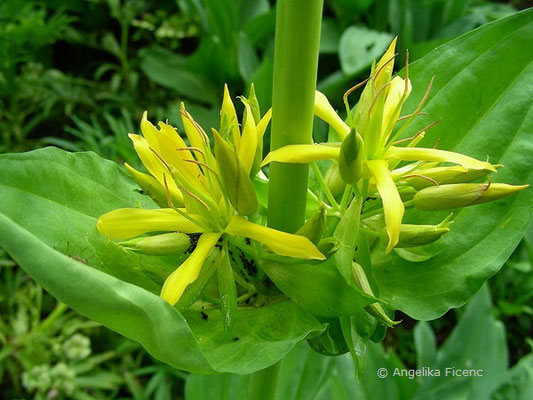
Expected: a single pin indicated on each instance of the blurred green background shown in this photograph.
(77, 74)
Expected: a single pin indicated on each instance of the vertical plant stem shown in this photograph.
(295, 70)
(263, 383)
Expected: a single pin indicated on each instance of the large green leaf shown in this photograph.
(477, 342)
(49, 205)
(482, 94)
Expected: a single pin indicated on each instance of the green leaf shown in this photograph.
(302, 375)
(246, 57)
(425, 344)
(121, 306)
(482, 94)
(477, 342)
(169, 70)
(516, 383)
(359, 46)
(51, 198)
(318, 288)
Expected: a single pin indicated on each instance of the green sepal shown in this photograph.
(227, 291)
(331, 342)
(375, 308)
(314, 227)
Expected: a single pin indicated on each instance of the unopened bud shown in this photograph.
(445, 197)
(314, 227)
(445, 175)
(238, 185)
(420, 235)
(165, 244)
(351, 158)
(375, 308)
(334, 181)
(151, 187)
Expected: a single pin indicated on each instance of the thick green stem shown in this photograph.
(263, 383)
(295, 69)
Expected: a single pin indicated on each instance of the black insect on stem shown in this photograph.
(193, 237)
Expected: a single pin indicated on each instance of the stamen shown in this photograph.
(202, 203)
(353, 89)
(169, 199)
(191, 148)
(428, 90)
(418, 133)
(411, 115)
(383, 66)
(161, 159)
(198, 128)
(203, 165)
(436, 143)
(377, 96)
(423, 177)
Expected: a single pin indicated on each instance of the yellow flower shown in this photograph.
(205, 193)
(377, 155)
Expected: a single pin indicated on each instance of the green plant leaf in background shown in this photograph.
(482, 94)
(359, 46)
(50, 203)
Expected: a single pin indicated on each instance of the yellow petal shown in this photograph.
(303, 153)
(325, 111)
(284, 244)
(188, 271)
(151, 187)
(197, 137)
(248, 143)
(419, 153)
(167, 143)
(393, 105)
(155, 166)
(392, 203)
(228, 117)
(262, 125)
(385, 66)
(125, 223)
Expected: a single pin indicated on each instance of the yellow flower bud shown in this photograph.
(164, 244)
(375, 308)
(419, 235)
(459, 195)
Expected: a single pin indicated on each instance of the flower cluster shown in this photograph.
(201, 192)
(208, 204)
(367, 159)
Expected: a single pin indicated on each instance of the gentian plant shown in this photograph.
(220, 257)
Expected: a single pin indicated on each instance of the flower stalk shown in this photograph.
(295, 70)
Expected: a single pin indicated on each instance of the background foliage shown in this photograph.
(77, 74)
